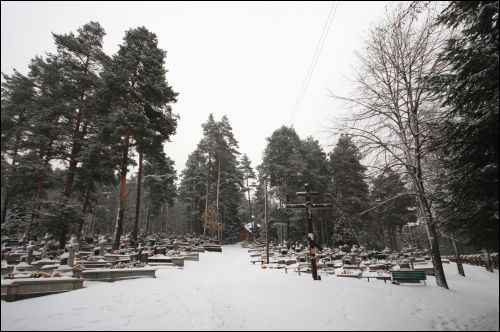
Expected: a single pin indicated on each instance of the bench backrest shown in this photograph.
(415, 275)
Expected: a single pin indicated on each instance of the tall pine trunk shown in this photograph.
(208, 190)
(84, 211)
(5, 205)
(123, 191)
(250, 209)
(138, 199)
(149, 213)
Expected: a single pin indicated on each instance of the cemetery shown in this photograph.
(36, 269)
(178, 166)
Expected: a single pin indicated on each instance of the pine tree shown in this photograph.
(317, 174)
(17, 100)
(192, 189)
(140, 96)
(348, 189)
(248, 174)
(217, 159)
(159, 181)
(283, 164)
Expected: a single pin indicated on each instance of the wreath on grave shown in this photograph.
(79, 267)
(38, 274)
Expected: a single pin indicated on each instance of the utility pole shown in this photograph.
(265, 221)
(308, 205)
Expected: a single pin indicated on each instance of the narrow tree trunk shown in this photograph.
(163, 220)
(148, 214)
(250, 209)
(487, 260)
(384, 236)
(425, 205)
(435, 253)
(460, 267)
(208, 190)
(84, 211)
(93, 219)
(123, 191)
(64, 231)
(217, 199)
(138, 199)
(218, 185)
(14, 170)
(5, 205)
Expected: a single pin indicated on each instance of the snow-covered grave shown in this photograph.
(118, 274)
(13, 290)
(227, 292)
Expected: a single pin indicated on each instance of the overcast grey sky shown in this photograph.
(247, 60)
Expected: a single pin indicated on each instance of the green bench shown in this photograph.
(412, 276)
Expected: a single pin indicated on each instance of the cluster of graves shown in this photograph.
(34, 268)
(351, 262)
(477, 259)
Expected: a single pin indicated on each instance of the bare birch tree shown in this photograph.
(392, 108)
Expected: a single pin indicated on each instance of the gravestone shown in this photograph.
(102, 244)
(73, 248)
(30, 247)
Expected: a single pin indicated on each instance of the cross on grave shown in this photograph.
(308, 205)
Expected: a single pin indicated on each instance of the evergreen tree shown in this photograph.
(248, 174)
(81, 59)
(394, 209)
(215, 160)
(283, 164)
(348, 189)
(468, 143)
(17, 100)
(316, 173)
(140, 96)
(192, 189)
(159, 181)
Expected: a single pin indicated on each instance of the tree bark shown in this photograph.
(84, 211)
(208, 189)
(5, 205)
(460, 267)
(487, 261)
(148, 214)
(123, 191)
(217, 199)
(138, 199)
(250, 209)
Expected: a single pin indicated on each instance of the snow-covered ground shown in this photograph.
(226, 292)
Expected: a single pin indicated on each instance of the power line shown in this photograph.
(312, 64)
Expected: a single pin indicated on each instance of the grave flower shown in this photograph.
(79, 267)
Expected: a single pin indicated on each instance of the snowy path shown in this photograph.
(226, 292)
